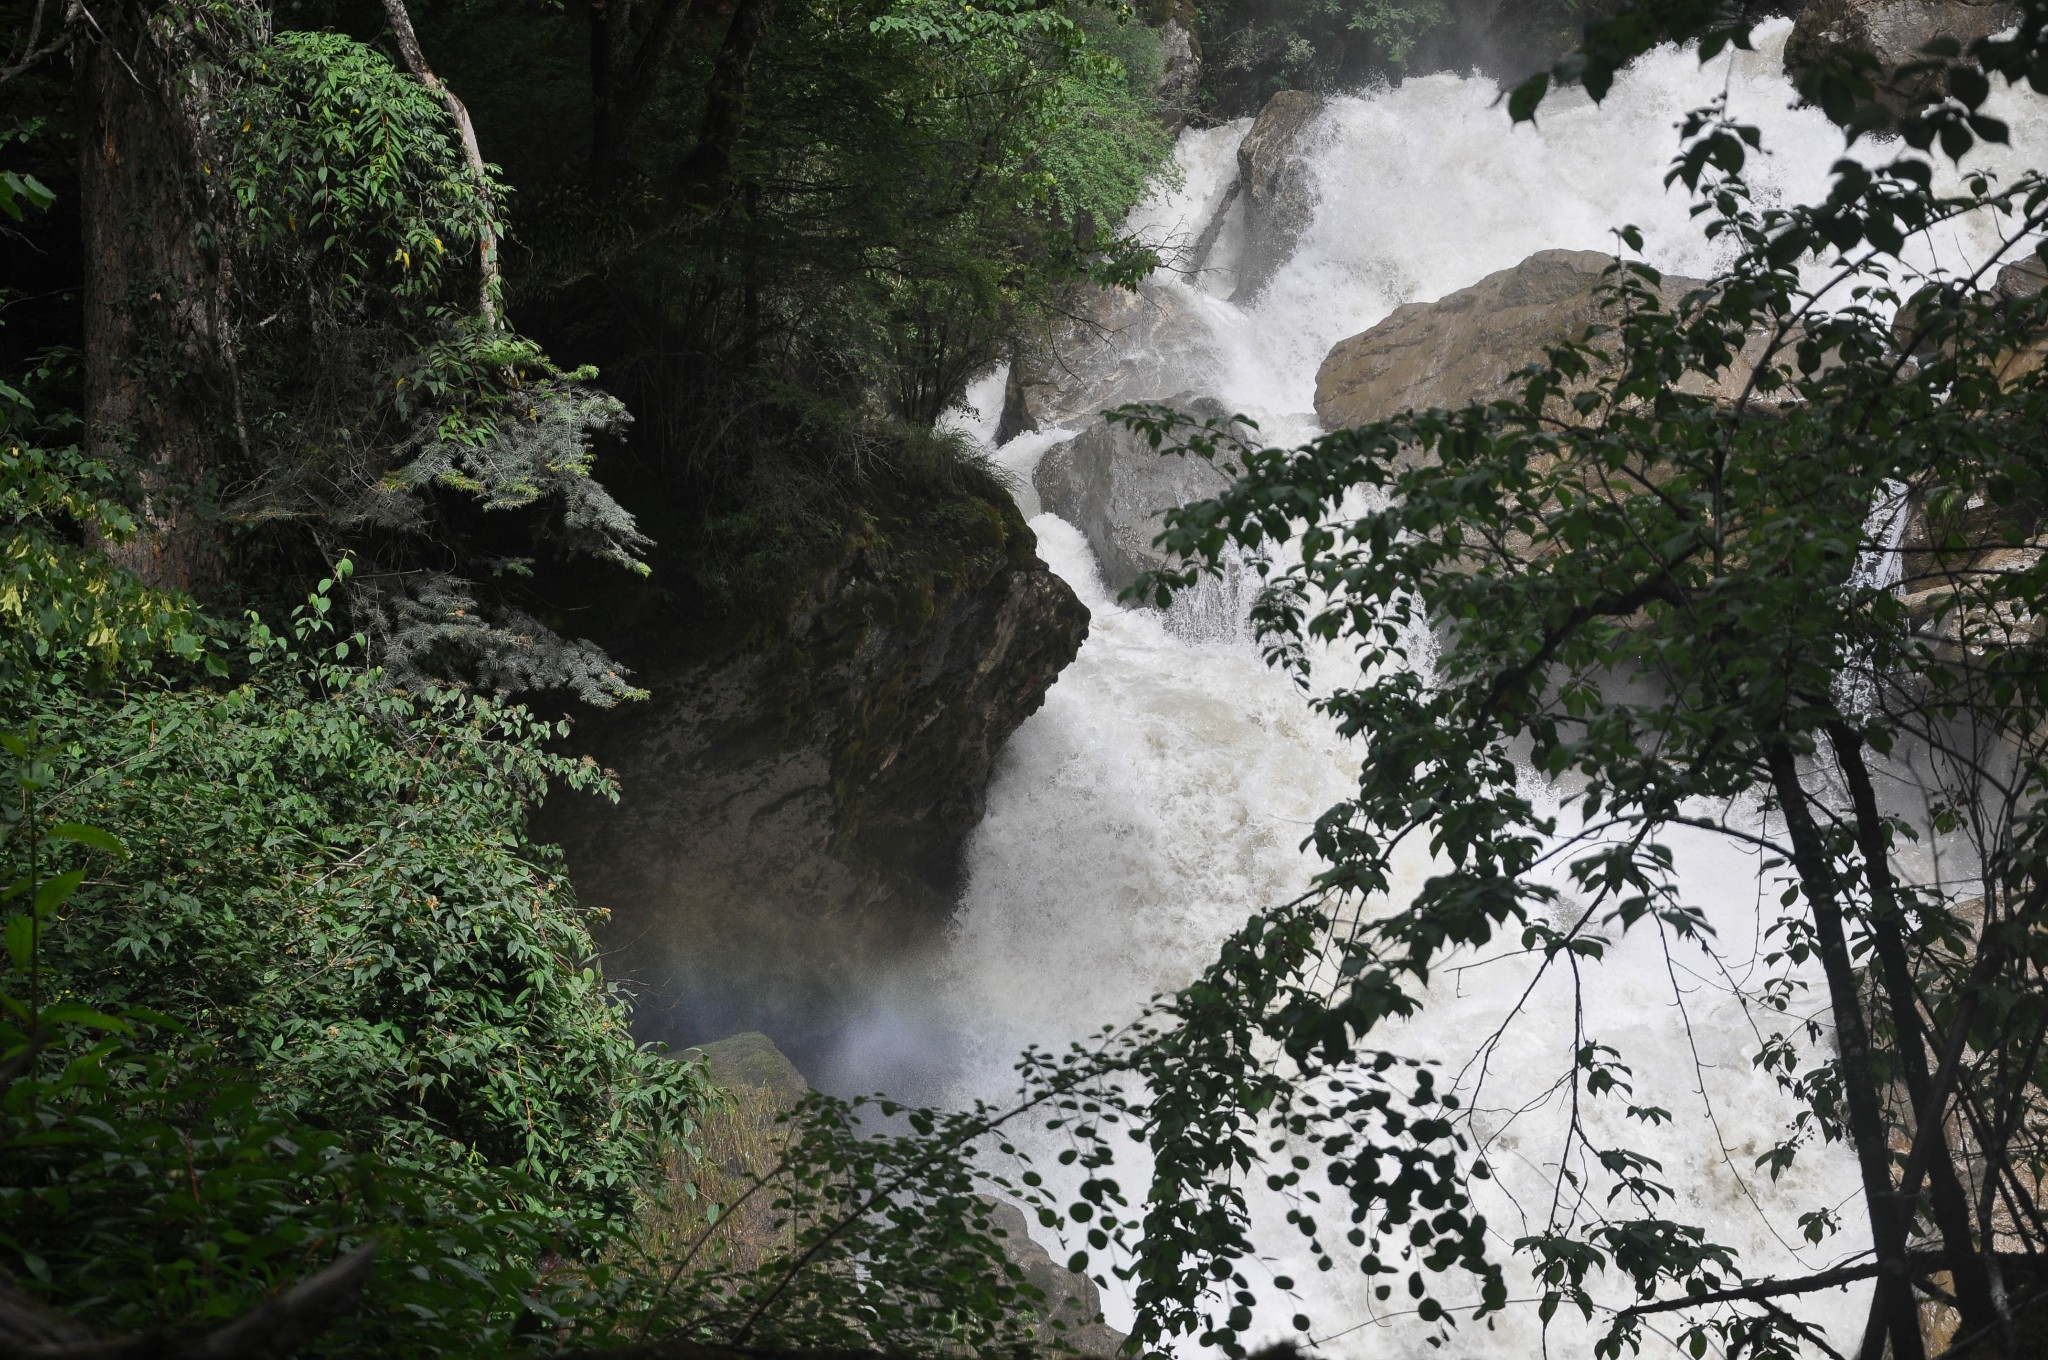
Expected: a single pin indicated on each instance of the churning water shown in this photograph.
(1160, 796)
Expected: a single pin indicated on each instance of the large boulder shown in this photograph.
(1107, 346)
(751, 1060)
(1466, 347)
(1893, 31)
(1111, 484)
(1277, 185)
(794, 797)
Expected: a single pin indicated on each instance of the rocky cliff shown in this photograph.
(794, 799)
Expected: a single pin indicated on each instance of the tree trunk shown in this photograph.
(1895, 975)
(705, 178)
(1889, 1223)
(396, 15)
(622, 77)
(158, 395)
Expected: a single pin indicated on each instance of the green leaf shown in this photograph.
(77, 1013)
(55, 892)
(21, 934)
(1524, 98)
(87, 835)
(19, 191)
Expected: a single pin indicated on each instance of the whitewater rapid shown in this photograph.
(1161, 795)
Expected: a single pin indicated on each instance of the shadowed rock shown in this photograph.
(1278, 187)
(793, 803)
(1893, 31)
(1111, 484)
(1072, 1307)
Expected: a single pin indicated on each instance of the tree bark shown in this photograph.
(706, 177)
(622, 78)
(416, 62)
(158, 389)
(1887, 919)
(1889, 1223)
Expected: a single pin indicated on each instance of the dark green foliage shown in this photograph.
(284, 972)
(346, 176)
(908, 182)
(330, 881)
(356, 231)
(156, 1192)
(1253, 48)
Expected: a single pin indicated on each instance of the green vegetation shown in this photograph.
(283, 969)
(1255, 47)
(293, 514)
(284, 976)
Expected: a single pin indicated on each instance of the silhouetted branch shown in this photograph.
(1755, 1293)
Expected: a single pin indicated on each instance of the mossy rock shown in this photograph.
(752, 1059)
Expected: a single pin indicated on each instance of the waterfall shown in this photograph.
(1160, 796)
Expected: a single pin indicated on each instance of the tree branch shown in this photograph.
(416, 62)
(1771, 1289)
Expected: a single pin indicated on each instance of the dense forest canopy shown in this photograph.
(354, 353)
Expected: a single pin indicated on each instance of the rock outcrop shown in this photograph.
(1180, 77)
(1108, 346)
(1072, 1307)
(1277, 186)
(1466, 347)
(740, 1138)
(1893, 31)
(793, 803)
(1111, 484)
(751, 1059)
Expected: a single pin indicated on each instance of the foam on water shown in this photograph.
(1160, 796)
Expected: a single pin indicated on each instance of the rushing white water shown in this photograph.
(1160, 796)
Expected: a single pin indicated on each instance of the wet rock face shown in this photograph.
(1110, 483)
(1180, 78)
(1277, 186)
(1465, 347)
(1104, 350)
(792, 811)
(1893, 31)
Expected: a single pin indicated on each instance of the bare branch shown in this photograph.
(272, 1330)
(282, 1324)
(31, 55)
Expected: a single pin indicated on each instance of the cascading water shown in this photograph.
(1160, 796)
